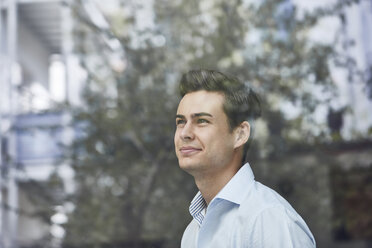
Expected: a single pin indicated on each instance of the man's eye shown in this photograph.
(180, 122)
(202, 121)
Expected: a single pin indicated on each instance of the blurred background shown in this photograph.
(88, 94)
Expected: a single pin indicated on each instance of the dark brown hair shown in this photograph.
(241, 102)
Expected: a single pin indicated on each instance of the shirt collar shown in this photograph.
(198, 204)
(238, 187)
(234, 191)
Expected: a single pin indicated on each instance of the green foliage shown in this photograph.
(267, 45)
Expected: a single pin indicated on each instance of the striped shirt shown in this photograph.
(197, 208)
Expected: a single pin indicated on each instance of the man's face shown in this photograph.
(203, 140)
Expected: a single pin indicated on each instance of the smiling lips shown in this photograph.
(188, 151)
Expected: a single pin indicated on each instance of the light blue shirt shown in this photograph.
(245, 214)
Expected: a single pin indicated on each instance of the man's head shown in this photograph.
(241, 103)
(211, 117)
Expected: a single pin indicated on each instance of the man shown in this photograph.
(231, 209)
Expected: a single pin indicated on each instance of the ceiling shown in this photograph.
(44, 18)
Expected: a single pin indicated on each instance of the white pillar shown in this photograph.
(67, 46)
(2, 81)
(12, 182)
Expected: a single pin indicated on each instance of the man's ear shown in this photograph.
(242, 133)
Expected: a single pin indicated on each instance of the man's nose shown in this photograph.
(187, 131)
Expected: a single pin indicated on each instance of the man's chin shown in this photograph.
(189, 166)
(185, 166)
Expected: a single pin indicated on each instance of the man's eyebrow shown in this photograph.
(201, 114)
(195, 115)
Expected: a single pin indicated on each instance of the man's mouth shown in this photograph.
(188, 150)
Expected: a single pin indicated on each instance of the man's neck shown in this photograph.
(210, 184)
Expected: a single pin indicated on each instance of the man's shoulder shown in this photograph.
(265, 209)
(261, 199)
